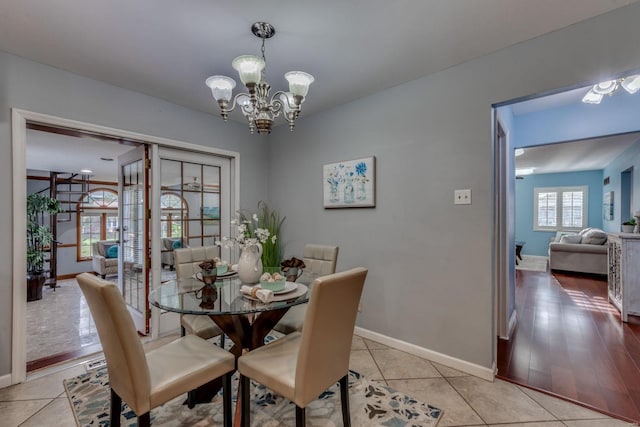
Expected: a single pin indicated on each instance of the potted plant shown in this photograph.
(39, 238)
(628, 226)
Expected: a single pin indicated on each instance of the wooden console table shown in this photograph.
(624, 273)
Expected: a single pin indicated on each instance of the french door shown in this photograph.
(196, 199)
(133, 217)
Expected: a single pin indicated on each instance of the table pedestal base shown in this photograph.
(245, 335)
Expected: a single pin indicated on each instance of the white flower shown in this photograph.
(247, 232)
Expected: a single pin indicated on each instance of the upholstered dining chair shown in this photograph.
(147, 381)
(186, 265)
(301, 365)
(319, 260)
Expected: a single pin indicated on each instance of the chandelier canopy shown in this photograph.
(630, 83)
(257, 107)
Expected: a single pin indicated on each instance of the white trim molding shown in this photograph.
(513, 321)
(443, 359)
(5, 381)
(19, 119)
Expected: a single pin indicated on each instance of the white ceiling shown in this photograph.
(48, 151)
(167, 48)
(589, 154)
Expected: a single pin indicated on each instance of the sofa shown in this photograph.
(105, 259)
(584, 252)
(169, 244)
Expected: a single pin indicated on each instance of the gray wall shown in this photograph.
(31, 86)
(429, 261)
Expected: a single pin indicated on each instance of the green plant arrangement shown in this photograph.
(39, 238)
(631, 221)
(262, 226)
(272, 249)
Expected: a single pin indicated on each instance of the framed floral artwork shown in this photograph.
(607, 206)
(350, 184)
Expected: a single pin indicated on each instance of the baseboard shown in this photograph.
(434, 356)
(513, 321)
(5, 380)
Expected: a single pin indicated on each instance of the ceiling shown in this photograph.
(167, 48)
(588, 154)
(48, 151)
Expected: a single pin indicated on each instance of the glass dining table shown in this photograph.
(243, 318)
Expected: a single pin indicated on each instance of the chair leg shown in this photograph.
(226, 399)
(144, 420)
(183, 332)
(222, 340)
(116, 408)
(344, 397)
(246, 410)
(300, 416)
(191, 399)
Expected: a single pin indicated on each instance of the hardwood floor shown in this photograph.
(570, 341)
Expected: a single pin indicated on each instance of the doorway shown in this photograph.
(20, 119)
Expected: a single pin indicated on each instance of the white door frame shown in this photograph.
(19, 119)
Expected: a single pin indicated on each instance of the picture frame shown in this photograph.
(350, 183)
(607, 206)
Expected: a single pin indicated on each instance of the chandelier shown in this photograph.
(631, 84)
(260, 110)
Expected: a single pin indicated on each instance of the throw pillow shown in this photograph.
(560, 234)
(177, 244)
(112, 252)
(571, 238)
(594, 237)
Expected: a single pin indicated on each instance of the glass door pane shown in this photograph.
(133, 277)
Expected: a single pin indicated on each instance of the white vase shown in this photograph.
(250, 264)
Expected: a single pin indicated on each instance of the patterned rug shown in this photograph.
(371, 404)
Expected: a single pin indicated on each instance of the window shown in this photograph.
(97, 220)
(173, 213)
(560, 208)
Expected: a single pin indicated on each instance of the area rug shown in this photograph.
(532, 263)
(371, 404)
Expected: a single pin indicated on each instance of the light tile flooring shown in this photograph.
(466, 400)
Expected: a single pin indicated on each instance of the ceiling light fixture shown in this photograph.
(608, 87)
(519, 152)
(86, 171)
(257, 107)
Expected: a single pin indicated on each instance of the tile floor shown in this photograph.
(466, 400)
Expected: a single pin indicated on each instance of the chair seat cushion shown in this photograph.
(181, 366)
(274, 365)
(200, 325)
(293, 320)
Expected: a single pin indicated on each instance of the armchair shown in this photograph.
(169, 244)
(104, 263)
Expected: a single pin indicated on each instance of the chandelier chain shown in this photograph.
(263, 56)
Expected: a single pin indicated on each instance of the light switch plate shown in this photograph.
(462, 197)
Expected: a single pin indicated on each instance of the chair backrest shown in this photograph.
(126, 363)
(328, 330)
(187, 259)
(320, 259)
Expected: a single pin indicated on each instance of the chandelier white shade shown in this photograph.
(631, 84)
(259, 109)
